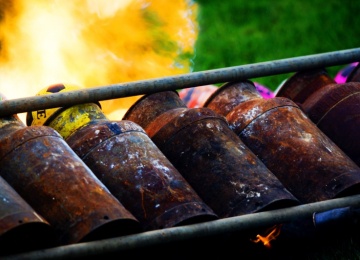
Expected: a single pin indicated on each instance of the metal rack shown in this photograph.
(218, 228)
(194, 79)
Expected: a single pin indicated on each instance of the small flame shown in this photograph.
(272, 235)
(91, 43)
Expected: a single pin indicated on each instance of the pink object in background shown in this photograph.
(264, 91)
(197, 96)
(342, 75)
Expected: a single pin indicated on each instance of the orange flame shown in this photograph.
(93, 43)
(272, 235)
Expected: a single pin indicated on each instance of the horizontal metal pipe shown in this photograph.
(194, 79)
(177, 234)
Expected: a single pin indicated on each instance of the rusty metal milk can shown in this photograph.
(125, 159)
(42, 168)
(224, 172)
(333, 107)
(20, 225)
(305, 160)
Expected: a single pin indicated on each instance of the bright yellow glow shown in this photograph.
(94, 43)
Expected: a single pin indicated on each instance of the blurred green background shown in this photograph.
(241, 32)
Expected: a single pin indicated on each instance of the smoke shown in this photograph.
(92, 43)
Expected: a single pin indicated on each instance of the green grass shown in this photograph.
(241, 32)
(234, 33)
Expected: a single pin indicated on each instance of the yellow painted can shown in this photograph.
(65, 120)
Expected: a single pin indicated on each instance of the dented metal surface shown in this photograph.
(305, 160)
(41, 167)
(130, 165)
(224, 172)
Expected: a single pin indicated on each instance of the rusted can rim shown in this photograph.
(318, 105)
(13, 141)
(224, 87)
(182, 121)
(303, 83)
(238, 120)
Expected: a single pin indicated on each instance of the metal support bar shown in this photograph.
(250, 71)
(176, 234)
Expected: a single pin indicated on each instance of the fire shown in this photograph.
(272, 235)
(93, 43)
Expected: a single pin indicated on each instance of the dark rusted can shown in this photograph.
(224, 172)
(20, 225)
(126, 160)
(303, 84)
(305, 160)
(42, 168)
(333, 107)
